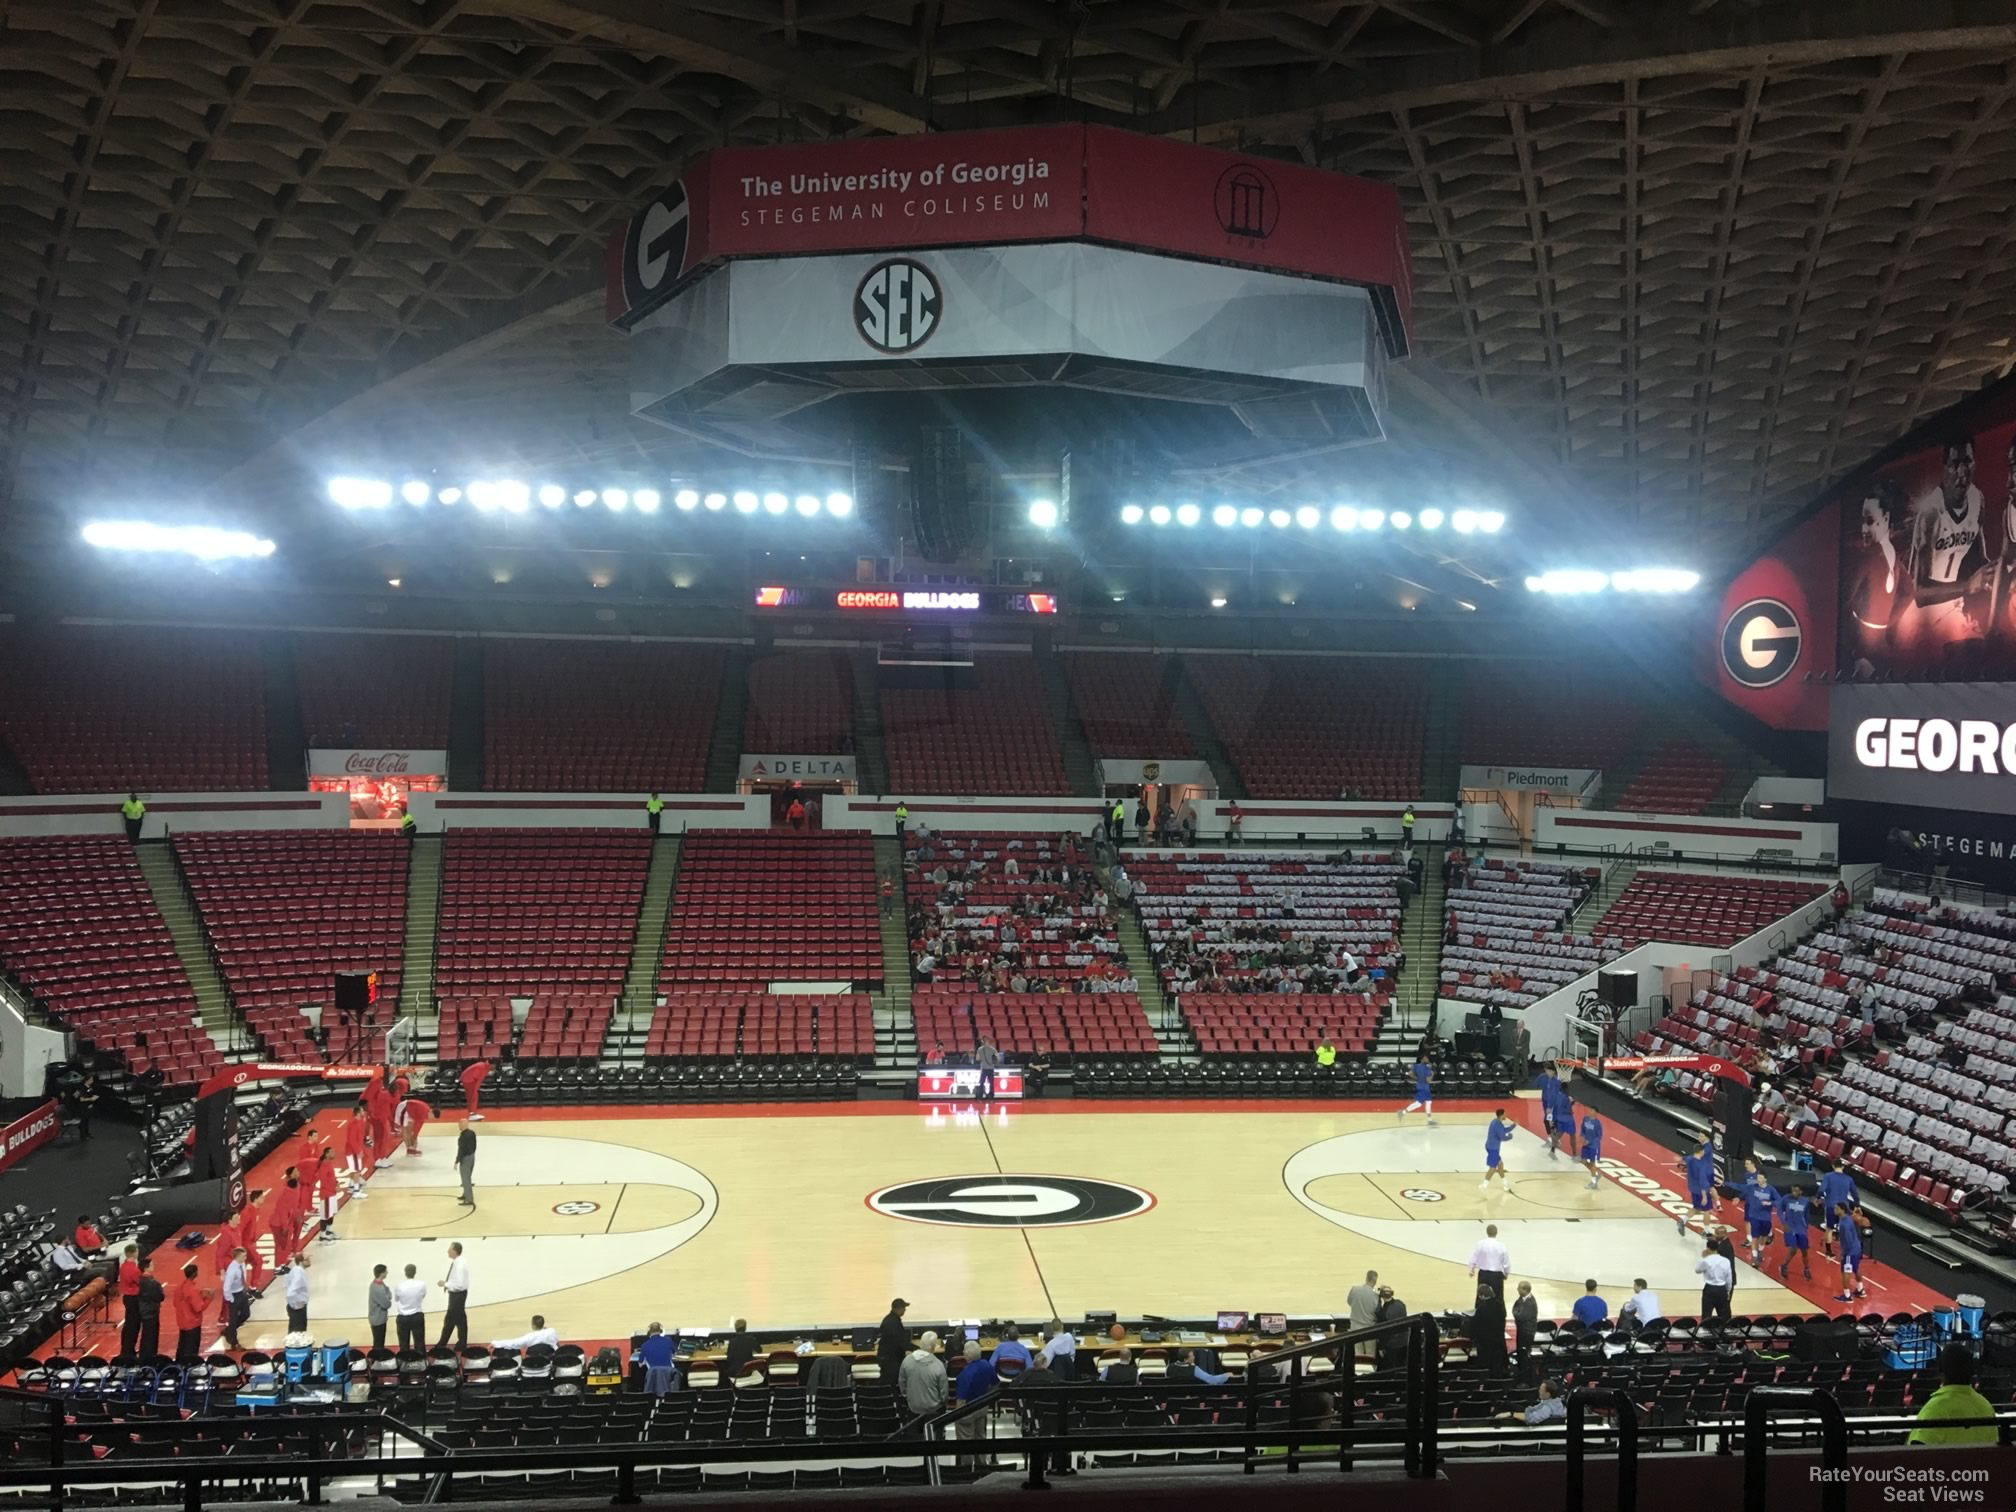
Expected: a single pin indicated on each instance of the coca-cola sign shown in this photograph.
(328, 763)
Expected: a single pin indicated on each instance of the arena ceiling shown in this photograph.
(1677, 261)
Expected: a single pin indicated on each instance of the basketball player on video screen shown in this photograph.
(1876, 608)
(1953, 580)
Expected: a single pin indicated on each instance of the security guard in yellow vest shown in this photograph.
(1326, 1054)
(1407, 827)
(902, 819)
(135, 814)
(1116, 821)
(654, 806)
(407, 823)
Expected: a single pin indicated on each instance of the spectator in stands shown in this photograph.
(935, 1056)
(134, 812)
(1956, 1399)
(88, 1241)
(977, 1378)
(1547, 1408)
(1123, 1371)
(1641, 1309)
(1141, 818)
(1060, 1349)
(921, 1378)
(1184, 1370)
(1525, 1325)
(892, 1343)
(1802, 1113)
(1011, 1355)
(740, 1350)
(1235, 822)
(1842, 901)
(795, 814)
(1487, 1332)
(1188, 826)
(1717, 1275)
(1590, 1309)
(656, 1352)
(539, 1335)
(1326, 1053)
(378, 1306)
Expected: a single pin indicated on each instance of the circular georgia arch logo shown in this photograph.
(1010, 1201)
(1760, 643)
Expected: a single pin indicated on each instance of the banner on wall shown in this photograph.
(799, 768)
(1563, 780)
(378, 782)
(1772, 634)
(28, 1133)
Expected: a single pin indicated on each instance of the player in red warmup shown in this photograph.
(283, 1212)
(356, 1139)
(417, 1114)
(327, 1184)
(378, 1098)
(253, 1220)
(472, 1087)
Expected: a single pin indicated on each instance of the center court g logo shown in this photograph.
(1760, 643)
(1009, 1201)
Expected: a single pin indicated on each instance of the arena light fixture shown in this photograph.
(1217, 601)
(716, 502)
(1401, 520)
(1465, 521)
(1251, 516)
(746, 502)
(1131, 514)
(450, 495)
(1280, 519)
(841, 505)
(617, 499)
(360, 493)
(415, 492)
(552, 495)
(807, 505)
(483, 494)
(1371, 519)
(1568, 581)
(1491, 522)
(647, 500)
(1308, 517)
(206, 543)
(1431, 519)
(1043, 513)
(1159, 515)
(1344, 517)
(775, 503)
(1224, 516)
(583, 498)
(687, 498)
(1655, 580)
(1188, 514)
(513, 497)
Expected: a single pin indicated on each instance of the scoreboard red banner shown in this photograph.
(29, 1133)
(962, 1084)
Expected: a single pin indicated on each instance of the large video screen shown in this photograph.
(1928, 564)
(1950, 747)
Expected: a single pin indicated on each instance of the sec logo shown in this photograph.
(1760, 643)
(1010, 1201)
(1420, 1194)
(897, 306)
(576, 1209)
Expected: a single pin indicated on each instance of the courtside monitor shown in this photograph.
(1272, 1325)
(1231, 1322)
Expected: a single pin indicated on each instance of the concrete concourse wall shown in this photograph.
(174, 813)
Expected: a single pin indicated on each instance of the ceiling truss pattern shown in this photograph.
(1701, 255)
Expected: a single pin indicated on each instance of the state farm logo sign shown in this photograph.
(897, 307)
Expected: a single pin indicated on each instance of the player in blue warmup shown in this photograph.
(1837, 1190)
(1563, 1124)
(1759, 1203)
(1424, 1094)
(1700, 1167)
(1849, 1231)
(1496, 1133)
(1592, 1146)
(1795, 1212)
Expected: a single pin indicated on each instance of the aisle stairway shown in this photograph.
(286, 739)
(219, 1019)
(630, 1024)
(1079, 771)
(1190, 709)
(895, 1025)
(1616, 877)
(1164, 1017)
(1421, 938)
(871, 766)
(423, 913)
(731, 705)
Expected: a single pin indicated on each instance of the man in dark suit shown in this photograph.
(1037, 1386)
(893, 1342)
(741, 1350)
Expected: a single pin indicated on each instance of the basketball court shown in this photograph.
(607, 1219)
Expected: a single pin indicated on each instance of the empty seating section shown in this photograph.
(545, 914)
(286, 910)
(1694, 908)
(1503, 940)
(1127, 703)
(375, 692)
(1548, 715)
(995, 734)
(1318, 726)
(472, 1029)
(92, 710)
(801, 703)
(739, 1025)
(79, 930)
(1678, 778)
(994, 909)
(1065, 1024)
(598, 716)
(1286, 1025)
(773, 906)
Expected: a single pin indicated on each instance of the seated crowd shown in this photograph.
(1503, 941)
(1010, 913)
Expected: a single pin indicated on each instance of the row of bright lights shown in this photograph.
(1574, 581)
(206, 543)
(508, 496)
(1308, 517)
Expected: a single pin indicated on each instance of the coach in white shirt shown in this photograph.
(1642, 1306)
(1489, 1262)
(1717, 1276)
(540, 1334)
(297, 1295)
(1060, 1354)
(456, 1283)
(409, 1305)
